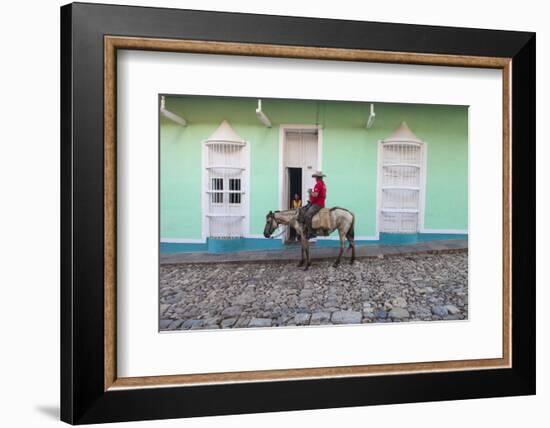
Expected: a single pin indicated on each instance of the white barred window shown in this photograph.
(401, 184)
(234, 190)
(225, 166)
(217, 190)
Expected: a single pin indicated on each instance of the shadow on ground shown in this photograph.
(49, 410)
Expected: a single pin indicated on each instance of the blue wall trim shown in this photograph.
(250, 244)
(172, 247)
(242, 244)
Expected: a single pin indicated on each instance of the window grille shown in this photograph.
(225, 166)
(401, 182)
(217, 190)
(235, 189)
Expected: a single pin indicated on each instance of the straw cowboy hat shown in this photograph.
(318, 174)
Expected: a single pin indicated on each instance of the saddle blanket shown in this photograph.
(321, 220)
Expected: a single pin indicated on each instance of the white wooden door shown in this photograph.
(301, 147)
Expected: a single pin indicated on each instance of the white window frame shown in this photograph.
(245, 188)
(422, 190)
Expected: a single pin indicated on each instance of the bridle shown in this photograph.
(272, 219)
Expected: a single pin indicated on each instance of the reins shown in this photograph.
(283, 229)
(279, 226)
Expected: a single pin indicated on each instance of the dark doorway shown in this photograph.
(294, 188)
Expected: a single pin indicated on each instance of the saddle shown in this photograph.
(321, 220)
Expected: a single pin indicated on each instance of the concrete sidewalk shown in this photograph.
(293, 253)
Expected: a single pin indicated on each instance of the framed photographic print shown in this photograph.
(265, 213)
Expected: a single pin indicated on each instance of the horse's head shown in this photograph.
(270, 224)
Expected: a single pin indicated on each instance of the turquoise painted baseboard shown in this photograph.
(178, 247)
(251, 244)
(242, 244)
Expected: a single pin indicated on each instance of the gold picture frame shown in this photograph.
(114, 43)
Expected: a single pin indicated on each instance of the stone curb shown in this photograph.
(261, 257)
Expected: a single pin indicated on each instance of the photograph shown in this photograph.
(298, 213)
(283, 210)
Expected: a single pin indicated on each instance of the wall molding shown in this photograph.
(182, 241)
(446, 231)
(357, 238)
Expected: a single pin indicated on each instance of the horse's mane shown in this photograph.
(283, 211)
(340, 208)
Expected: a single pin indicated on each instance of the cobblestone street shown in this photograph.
(419, 287)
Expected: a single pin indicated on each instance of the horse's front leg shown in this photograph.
(337, 262)
(305, 249)
(302, 260)
(300, 232)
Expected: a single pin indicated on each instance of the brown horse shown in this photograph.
(340, 219)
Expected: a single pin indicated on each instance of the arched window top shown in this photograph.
(403, 134)
(225, 134)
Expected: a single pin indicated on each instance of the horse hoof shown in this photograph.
(306, 268)
(352, 261)
(300, 264)
(335, 265)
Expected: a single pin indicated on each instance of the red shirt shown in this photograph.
(321, 191)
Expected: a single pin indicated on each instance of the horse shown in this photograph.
(341, 219)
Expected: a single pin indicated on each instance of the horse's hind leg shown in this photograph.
(352, 246)
(351, 239)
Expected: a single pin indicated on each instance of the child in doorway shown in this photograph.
(296, 205)
(296, 202)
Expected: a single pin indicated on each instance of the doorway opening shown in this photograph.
(300, 156)
(294, 188)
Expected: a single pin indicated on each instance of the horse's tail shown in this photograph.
(351, 231)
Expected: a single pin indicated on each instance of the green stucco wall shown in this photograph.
(349, 157)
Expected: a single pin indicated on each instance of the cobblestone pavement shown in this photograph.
(421, 287)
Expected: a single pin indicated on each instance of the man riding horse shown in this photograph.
(301, 220)
(317, 201)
